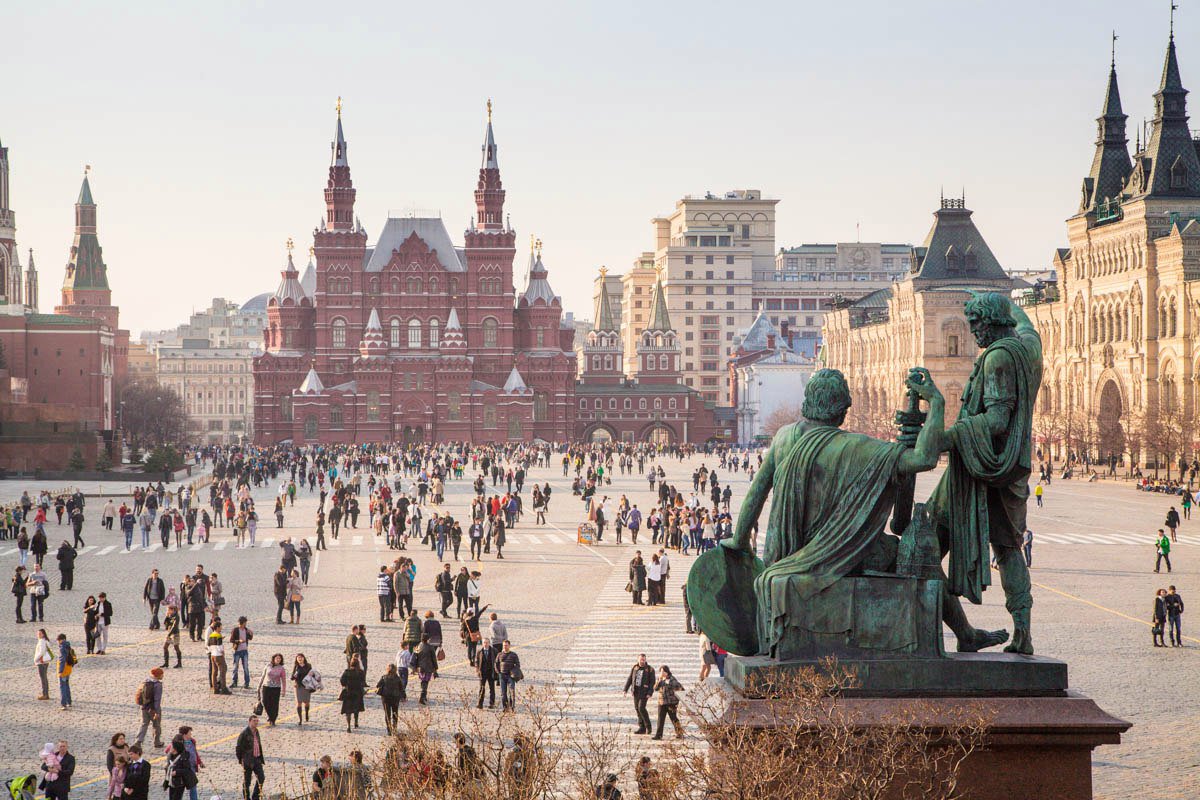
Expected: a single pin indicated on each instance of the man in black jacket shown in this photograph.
(153, 593)
(444, 585)
(60, 787)
(1174, 607)
(280, 588)
(641, 681)
(485, 668)
(249, 754)
(66, 566)
(137, 775)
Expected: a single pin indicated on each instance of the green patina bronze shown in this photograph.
(833, 580)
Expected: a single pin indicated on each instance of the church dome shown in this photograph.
(257, 303)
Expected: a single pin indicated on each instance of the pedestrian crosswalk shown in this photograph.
(220, 541)
(615, 633)
(1106, 539)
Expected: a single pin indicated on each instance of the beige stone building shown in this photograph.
(143, 364)
(916, 321)
(1120, 333)
(216, 385)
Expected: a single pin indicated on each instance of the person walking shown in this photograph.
(43, 657)
(637, 577)
(171, 629)
(356, 646)
(668, 689)
(508, 665)
(383, 591)
(354, 689)
(153, 593)
(295, 595)
(641, 683)
(390, 691)
(279, 587)
(444, 585)
(485, 668)
(249, 753)
(1158, 620)
(217, 664)
(425, 662)
(1037, 494)
(104, 611)
(240, 638)
(150, 697)
(38, 587)
(20, 589)
(66, 556)
(271, 687)
(304, 555)
(66, 665)
(305, 681)
(1027, 547)
(1163, 545)
(1173, 604)
(1172, 523)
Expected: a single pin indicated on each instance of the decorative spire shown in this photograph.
(605, 320)
(372, 343)
(85, 191)
(660, 320)
(1170, 166)
(339, 140)
(489, 142)
(489, 191)
(1110, 164)
(339, 188)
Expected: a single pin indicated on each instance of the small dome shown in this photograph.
(257, 303)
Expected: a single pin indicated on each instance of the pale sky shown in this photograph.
(208, 125)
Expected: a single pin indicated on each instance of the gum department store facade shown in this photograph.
(417, 339)
(1119, 331)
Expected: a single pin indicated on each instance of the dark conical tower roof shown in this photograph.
(1169, 167)
(1110, 164)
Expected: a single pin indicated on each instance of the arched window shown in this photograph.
(394, 338)
(414, 286)
(612, 404)
(453, 406)
(541, 407)
(598, 404)
(664, 362)
(582, 404)
(642, 404)
(671, 404)
(489, 416)
(310, 427)
(414, 333)
(285, 409)
(372, 406)
(434, 332)
(489, 332)
(608, 362)
(339, 332)
(395, 286)
(658, 404)
(454, 286)
(628, 404)
(595, 362)
(335, 417)
(433, 285)
(374, 285)
(514, 427)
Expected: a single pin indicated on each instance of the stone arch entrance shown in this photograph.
(1110, 428)
(601, 435)
(413, 434)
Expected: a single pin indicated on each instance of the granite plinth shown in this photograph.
(1035, 747)
(950, 675)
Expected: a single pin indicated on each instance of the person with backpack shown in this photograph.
(66, 664)
(149, 698)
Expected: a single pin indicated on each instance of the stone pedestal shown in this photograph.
(1037, 747)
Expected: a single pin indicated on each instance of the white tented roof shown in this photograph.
(431, 230)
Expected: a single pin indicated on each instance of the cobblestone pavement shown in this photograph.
(570, 620)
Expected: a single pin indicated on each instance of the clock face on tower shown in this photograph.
(858, 257)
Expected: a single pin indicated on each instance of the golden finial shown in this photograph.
(603, 271)
(539, 248)
(312, 252)
(339, 107)
(86, 169)
(532, 243)
(489, 110)
(658, 271)
(290, 245)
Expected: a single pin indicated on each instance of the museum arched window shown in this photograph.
(489, 416)
(658, 404)
(489, 332)
(394, 337)
(514, 427)
(454, 406)
(414, 333)
(372, 406)
(336, 418)
(642, 404)
(671, 404)
(310, 427)
(541, 407)
(285, 409)
(414, 286)
(339, 332)
(433, 285)
(435, 332)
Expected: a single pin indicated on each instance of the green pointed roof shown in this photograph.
(605, 321)
(660, 320)
(85, 193)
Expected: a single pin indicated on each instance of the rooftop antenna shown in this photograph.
(1174, 6)
(1114, 49)
(858, 232)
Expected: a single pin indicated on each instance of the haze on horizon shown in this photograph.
(208, 128)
